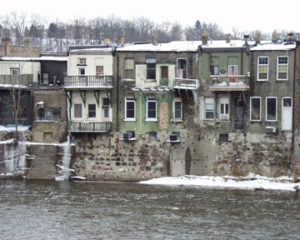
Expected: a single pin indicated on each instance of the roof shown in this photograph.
(174, 46)
(92, 50)
(35, 59)
(274, 47)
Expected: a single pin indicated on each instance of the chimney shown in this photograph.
(290, 38)
(204, 37)
(106, 41)
(153, 39)
(26, 42)
(227, 38)
(257, 38)
(246, 37)
(274, 37)
(121, 40)
(6, 43)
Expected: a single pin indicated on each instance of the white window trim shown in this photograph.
(187, 67)
(88, 111)
(255, 97)
(130, 99)
(266, 110)
(173, 108)
(287, 70)
(219, 110)
(209, 119)
(258, 79)
(151, 99)
(82, 111)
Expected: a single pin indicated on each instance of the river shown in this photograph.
(93, 210)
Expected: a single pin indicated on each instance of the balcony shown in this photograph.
(88, 82)
(90, 127)
(185, 83)
(20, 81)
(229, 83)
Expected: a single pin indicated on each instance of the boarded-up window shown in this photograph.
(164, 72)
(78, 110)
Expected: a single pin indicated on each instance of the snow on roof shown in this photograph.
(274, 47)
(174, 46)
(54, 58)
(19, 58)
(224, 44)
(13, 86)
(92, 50)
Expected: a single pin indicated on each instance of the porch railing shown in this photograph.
(185, 83)
(91, 127)
(105, 81)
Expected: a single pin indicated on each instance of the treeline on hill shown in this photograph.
(56, 36)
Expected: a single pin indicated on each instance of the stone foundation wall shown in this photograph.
(108, 157)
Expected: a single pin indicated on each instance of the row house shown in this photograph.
(88, 85)
(155, 84)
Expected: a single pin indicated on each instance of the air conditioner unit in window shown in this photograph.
(270, 129)
(129, 136)
(174, 138)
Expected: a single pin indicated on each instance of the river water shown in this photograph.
(92, 210)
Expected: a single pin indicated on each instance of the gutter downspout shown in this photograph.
(118, 91)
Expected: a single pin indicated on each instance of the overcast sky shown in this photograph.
(265, 15)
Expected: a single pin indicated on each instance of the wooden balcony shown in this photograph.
(22, 81)
(88, 82)
(186, 84)
(229, 83)
(90, 127)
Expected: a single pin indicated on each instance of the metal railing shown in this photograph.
(230, 79)
(186, 83)
(105, 81)
(20, 79)
(91, 127)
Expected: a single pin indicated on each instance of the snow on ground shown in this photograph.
(250, 182)
(12, 128)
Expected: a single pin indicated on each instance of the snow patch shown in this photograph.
(250, 182)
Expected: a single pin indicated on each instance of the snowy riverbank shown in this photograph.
(250, 182)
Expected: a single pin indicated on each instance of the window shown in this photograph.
(81, 71)
(78, 110)
(82, 61)
(49, 114)
(92, 110)
(271, 109)
(151, 68)
(129, 69)
(214, 69)
(99, 71)
(152, 136)
(263, 68)
(181, 68)
(223, 137)
(255, 108)
(15, 71)
(282, 68)
(209, 108)
(45, 78)
(164, 73)
(151, 109)
(129, 109)
(232, 71)
(177, 110)
(223, 107)
(105, 105)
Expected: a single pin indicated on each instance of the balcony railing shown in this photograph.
(184, 83)
(91, 127)
(21, 80)
(86, 82)
(229, 82)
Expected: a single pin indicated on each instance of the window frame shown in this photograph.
(174, 110)
(220, 102)
(271, 97)
(79, 71)
(74, 114)
(186, 68)
(82, 63)
(126, 71)
(149, 62)
(89, 111)
(127, 100)
(260, 106)
(205, 110)
(151, 100)
(287, 69)
(258, 64)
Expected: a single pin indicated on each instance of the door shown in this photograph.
(223, 107)
(99, 71)
(287, 113)
(164, 76)
(232, 71)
